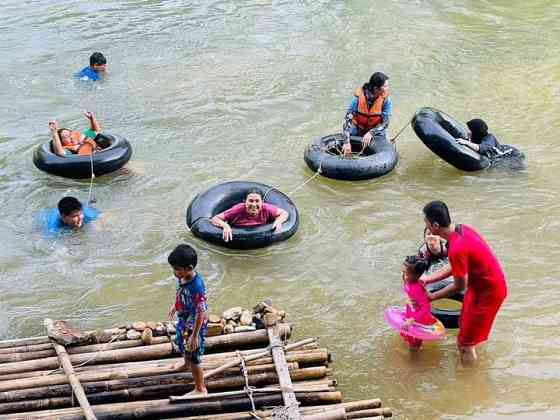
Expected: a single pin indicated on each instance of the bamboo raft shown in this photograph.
(129, 373)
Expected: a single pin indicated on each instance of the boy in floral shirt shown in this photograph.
(192, 313)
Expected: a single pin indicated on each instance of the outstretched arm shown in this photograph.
(458, 285)
(57, 144)
(93, 123)
(437, 276)
(219, 221)
(280, 218)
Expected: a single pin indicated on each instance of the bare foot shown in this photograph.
(180, 366)
(195, 393)
(468, 354)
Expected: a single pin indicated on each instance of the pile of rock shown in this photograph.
(238, 319)
(232, 320)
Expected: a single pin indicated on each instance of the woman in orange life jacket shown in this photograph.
(369, 112)
(67, 142)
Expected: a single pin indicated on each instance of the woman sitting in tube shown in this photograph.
(252, 212)
(369, 112)
(483, 142)
(67, 142)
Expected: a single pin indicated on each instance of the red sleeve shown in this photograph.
(233, 212)
(458, 259)
(272, 210)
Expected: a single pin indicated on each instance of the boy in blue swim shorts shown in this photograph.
(192, 313)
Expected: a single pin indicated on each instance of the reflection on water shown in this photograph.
(210, 91)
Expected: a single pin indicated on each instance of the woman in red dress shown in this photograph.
(472, 263)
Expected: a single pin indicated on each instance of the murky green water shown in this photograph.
(209, 91)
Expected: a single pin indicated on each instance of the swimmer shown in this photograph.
(418, 308)
(253, 212)
(67, 142)
(97, 67)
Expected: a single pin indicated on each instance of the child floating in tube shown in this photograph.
(67, 142)
(418, 308)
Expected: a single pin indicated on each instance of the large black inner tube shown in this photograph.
(115, 154)
(438, 132)
(223, 196)
(448, 317)
(378, 159)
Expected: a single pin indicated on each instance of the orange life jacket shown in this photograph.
(86, 147)
(368, 118)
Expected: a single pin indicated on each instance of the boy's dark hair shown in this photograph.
(97, 59)
(183, 256)
(254, 191)
(479, 129)
(416, 264)
(68, 204)
(437, 212)
(377, 80)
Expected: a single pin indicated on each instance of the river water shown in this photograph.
(209, 91)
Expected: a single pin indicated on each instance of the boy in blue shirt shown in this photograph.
(97, 65)
(70, 214)
(192, 313)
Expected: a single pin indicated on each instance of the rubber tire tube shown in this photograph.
(449, 318)
(381, 157)
(223, 196)
(105, 161)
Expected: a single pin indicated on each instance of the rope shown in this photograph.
(115, 337)
(394, 139)
(91, 200)
(311, 178)
(196, 221)
(248, 389)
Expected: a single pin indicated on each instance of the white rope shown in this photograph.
(90, 200)
(248, 388)
(115, 337)
(311, 178)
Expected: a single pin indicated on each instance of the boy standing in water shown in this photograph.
(192, 313)
(97, 66)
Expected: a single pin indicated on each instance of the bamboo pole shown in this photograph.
(254, 357)
(140, 353)
(18, 342)
(69, 370)
(106, 372)
(349, 407)
(336, 414)
(288, 395)
(372, 412)
(235, 379)
(162, 407)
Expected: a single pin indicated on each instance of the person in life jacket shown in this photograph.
(483, 142)
(67, 142)
(369, 112)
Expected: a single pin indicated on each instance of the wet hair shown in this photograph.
(377, 80)
(254, 191)
(479, 129)
(183, 256)
(97, 59)
(68, 205)
(416, 264)
(437, 212)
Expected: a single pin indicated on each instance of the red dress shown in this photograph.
(470, 255)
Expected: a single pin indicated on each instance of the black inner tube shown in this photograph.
(222, 197)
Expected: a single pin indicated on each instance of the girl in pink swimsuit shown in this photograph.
(418, 308)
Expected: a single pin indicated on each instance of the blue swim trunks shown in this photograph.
(181, 338)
